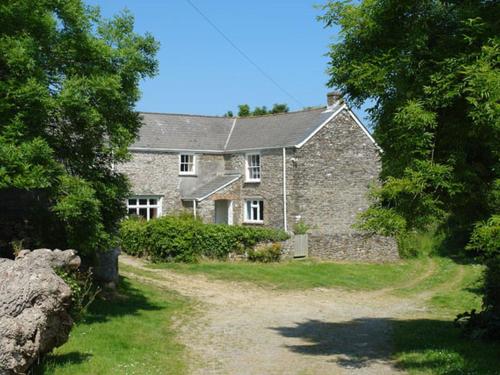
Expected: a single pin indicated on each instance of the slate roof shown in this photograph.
(212, 187)
(282, 130)
(220, 134)
(183, 132)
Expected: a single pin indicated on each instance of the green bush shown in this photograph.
(301, 227)
(184, 239)
(485, 241)
(83, 291)
(268, 254)
(414, 244)
(132, 233)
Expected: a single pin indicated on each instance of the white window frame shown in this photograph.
(248, 177)
(254, 203)
(188, 173)
(147, 206)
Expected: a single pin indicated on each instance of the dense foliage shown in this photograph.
(266, 254)
(184, 239)
(83, 291)
(431, 68)
(68, 85)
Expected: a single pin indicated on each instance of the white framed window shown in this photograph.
(187, 164)
(254, 211)
(149, 207)
(252, 168)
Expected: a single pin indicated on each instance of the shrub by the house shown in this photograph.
(266, 254)
(185, 239)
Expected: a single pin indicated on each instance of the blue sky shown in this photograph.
(201, 73)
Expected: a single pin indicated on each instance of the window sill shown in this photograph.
(254, 222)
(252, 181)
(188, 175)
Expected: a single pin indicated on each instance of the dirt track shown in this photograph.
(244, 329)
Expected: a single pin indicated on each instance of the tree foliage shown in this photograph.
(431, 67)
(244, 110)
(68, 85)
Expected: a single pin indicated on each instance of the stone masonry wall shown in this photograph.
(270, 188)
(353, 246)
(158, 174)
(331, 177)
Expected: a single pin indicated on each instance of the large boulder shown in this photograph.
(34, 307)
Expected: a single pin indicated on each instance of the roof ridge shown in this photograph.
(183, 114)
(284, 113)
(235, 117)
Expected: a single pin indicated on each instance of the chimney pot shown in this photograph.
(333, 98)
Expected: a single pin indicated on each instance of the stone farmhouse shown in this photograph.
(313, 165)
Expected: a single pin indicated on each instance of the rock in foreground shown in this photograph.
(34, 305)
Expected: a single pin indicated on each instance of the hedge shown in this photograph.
(184, 239)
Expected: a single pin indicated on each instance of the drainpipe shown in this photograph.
(194, 208)
(285, 224)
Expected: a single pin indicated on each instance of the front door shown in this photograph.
(223, 212)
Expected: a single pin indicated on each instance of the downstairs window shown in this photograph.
(254, 211)
(146, 206)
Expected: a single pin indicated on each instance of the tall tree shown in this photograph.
(432, 69)
(68, 85)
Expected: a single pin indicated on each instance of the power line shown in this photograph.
(242, 53)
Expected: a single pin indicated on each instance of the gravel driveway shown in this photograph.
(244, 329)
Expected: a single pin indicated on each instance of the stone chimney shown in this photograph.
(333, 98)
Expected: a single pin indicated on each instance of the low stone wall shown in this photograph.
(353, 247)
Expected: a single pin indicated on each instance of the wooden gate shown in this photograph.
(301, 248)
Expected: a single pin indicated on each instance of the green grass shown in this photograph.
(431, 344)
(307, 274)
(434, 346)
(131, 334)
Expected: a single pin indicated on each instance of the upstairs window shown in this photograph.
(252, 173)
(186, 164)
(254, 211)
(147, 207)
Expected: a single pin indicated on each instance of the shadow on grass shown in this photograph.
(127, 301)
(421, 344)
(50, 362)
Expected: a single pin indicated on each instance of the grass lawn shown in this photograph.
(131, 334)
(305, 274)
(430, 344)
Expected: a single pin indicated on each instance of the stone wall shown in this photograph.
(353, 246)
(153, 173)
(270, 188)
(331, 177)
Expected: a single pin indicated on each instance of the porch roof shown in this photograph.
(213, 186)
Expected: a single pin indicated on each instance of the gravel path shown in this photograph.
(244, 329)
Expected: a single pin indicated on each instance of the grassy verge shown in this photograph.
(131, 334)
(430, 344)
(307, 274)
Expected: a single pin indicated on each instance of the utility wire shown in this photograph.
(242, 53)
